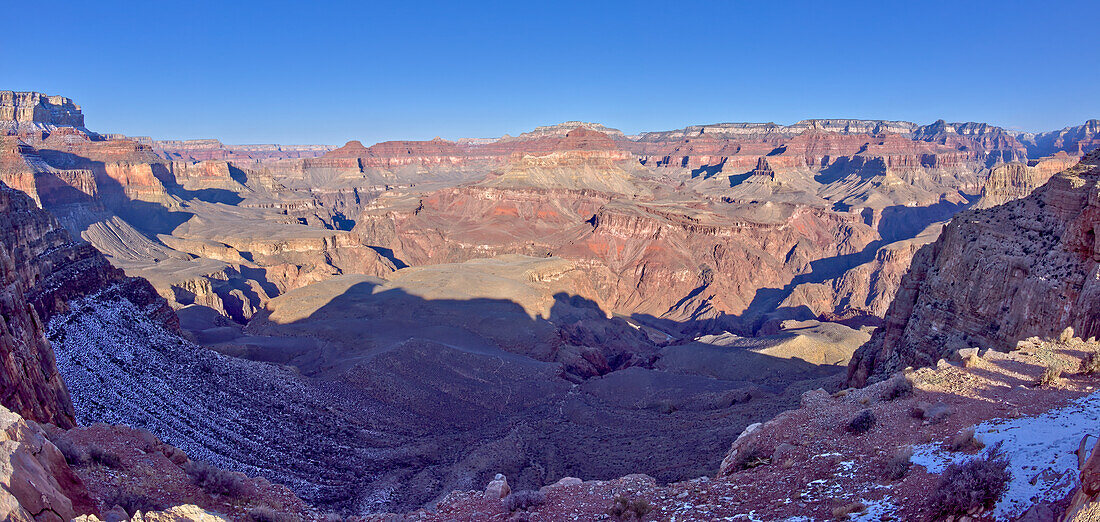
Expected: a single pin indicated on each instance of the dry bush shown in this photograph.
(845, 512)
(1050, 376)
(966, 441)
(98, 455)
(73, 454)
(931, 413)
(131, 501)
(215, 481)
(524, 500)
(897, 387)
(623, 508)
(862, 423)
(751, 456)
(266, 514)
(898, 465)
(972, 485)
(1091, 364)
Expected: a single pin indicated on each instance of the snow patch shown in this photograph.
(1041, 452)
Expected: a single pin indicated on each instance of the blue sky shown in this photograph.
(327, 72)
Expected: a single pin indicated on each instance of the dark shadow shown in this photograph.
(708, 171)
(478, 387)
(388, 254)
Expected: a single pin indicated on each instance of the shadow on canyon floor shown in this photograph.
(450, 392)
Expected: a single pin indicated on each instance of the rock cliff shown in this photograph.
(995, 276)
(34, 111)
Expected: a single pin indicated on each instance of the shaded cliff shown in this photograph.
(1026, 268)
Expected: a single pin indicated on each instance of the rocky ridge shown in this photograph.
(996, 276)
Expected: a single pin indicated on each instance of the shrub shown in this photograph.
(266, 514)
(1050, 376)
(103, 457)
(932, 413)
(969, 486)
(1066, 335)
(73, 454)
(749, 457)
(524, 500)
(215, 481)
(844, 512)
(965, 441)
(131, 501)
(862, 423)
(1091, 364)
(623, 508)
(897, 387)
(898, 465)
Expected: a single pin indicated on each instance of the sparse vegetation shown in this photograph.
(1050, 376)
(862, 423)
(131, 501)
(73, 454)
(845, 512)
(751, 456)
(266, 514)
(897, 387)
(623, 508)
(98, 455)
(898, 465)
(973, 485)
(214, 480)
(966, 441)
(931, 413)
(1091, 364)
(524, 500)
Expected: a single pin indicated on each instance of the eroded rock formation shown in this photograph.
(995, 276)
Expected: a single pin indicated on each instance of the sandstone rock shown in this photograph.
(567, 481)
(37, 108)
(180, 513)
(36, 482)
(497, 488)
(1085, 501)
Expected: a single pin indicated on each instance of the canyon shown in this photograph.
(379, 331)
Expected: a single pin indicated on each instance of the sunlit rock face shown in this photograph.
(997, 275)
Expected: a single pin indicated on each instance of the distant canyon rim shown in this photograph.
(422, 315)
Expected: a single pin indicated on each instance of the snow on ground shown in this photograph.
(1041, 451)
(121, 367)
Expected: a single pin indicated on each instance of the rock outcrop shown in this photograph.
(995, 276)
(36, 483)
(34, 111)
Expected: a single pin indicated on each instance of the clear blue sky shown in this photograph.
(327, 72)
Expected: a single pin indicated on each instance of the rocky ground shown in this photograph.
(807, 465)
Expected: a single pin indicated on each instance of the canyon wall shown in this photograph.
(995, 276)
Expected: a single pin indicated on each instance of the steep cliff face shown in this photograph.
(31, 111)
(1025, 268)
(1015, 180)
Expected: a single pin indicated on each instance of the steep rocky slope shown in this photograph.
(995, 276)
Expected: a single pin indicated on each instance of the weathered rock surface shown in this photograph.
(996, 276)
(36, 484)
(33, 111)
